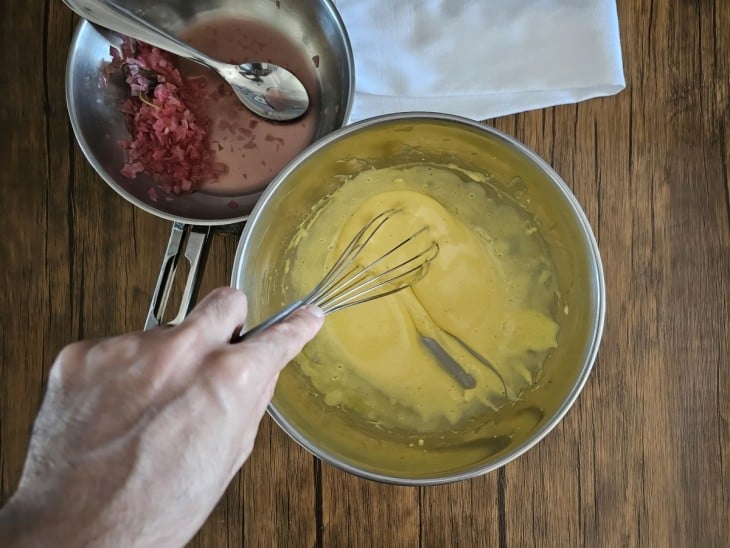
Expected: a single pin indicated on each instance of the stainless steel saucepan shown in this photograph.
(98, 125)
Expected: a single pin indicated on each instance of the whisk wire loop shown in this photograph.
(348, 284)
(350, 254)
(360, 288)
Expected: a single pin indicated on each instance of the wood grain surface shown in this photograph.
(642, 459)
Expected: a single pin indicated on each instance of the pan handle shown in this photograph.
(194, 240)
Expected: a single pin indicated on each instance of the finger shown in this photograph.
(280, 343)
(70, 365)
(254, 362)
(218, 315)
(249, 368)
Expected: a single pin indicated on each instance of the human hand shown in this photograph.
(139, 435)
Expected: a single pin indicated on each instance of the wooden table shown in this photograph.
(643, 457)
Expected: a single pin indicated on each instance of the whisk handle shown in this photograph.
(276, 318)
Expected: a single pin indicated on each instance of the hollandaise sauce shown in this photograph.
(492, 287)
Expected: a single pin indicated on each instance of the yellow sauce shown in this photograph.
(492, 286)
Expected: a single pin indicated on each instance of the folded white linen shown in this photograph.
(481, 58)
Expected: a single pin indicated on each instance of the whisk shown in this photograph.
(348, 283)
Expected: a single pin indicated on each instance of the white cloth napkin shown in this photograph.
(481, 58)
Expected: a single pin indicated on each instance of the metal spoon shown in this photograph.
(434, 337)
(267, 90)
(448, 363)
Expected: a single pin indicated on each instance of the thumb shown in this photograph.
(280, 343)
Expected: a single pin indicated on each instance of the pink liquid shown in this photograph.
(253, 149)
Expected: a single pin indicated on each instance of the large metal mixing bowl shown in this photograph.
(348, 441)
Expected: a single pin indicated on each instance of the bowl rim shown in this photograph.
(593, 251)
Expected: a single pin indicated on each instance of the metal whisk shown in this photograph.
(348, 283)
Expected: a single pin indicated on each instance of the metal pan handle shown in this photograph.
(191, 242)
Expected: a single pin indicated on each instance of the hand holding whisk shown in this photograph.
(349, 283)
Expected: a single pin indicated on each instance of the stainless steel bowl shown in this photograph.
(349, 442)
(98, 125)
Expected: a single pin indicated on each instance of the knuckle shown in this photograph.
(228, 292)
(70, 360)
(225, 298)
(174, 348)
(228, 368)
(72, 352)
(287, 340)
(285, 330)
(115, 348)
(185, 335)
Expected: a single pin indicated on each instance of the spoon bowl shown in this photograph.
(268, 90)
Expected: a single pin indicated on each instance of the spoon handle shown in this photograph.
(450, 364)
(119, 19)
